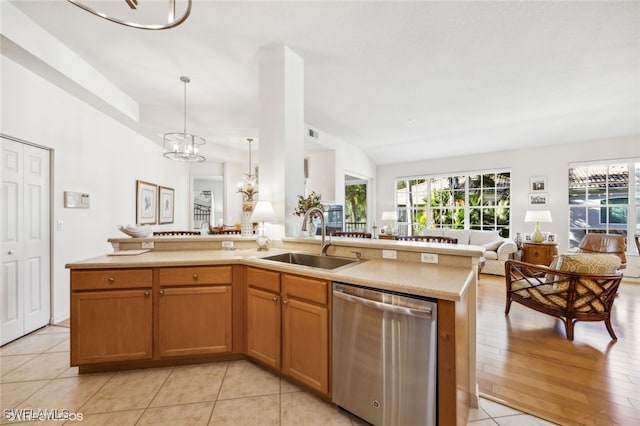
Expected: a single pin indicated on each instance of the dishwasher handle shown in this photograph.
(426, 313)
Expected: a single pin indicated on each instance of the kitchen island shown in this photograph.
(197, 304)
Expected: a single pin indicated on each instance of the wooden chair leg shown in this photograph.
(607, 322)
(508, 306)
(568, 326)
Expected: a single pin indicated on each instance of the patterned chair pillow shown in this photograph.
(589, 290)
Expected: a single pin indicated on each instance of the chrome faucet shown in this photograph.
(325, 245)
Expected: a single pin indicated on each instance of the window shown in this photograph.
(465, 201)
(355, 197)
(604, 197)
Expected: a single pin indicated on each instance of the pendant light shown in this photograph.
(250, 190)
(183, 146)
(172, 20)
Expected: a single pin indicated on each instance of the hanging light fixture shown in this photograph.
(249, 191)
(183, 146)
(172, 21)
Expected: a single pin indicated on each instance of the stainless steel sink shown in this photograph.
(312, 260)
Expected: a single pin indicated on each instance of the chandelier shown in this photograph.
(172, 21)
(250, 189)
(183, 146)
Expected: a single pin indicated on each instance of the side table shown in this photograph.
(539, 253)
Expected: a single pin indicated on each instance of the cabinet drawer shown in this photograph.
(261, 278)
(305, 288)
(112, 278)
(195, 275)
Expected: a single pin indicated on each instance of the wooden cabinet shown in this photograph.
(288, 325)
(539, 253)
(305, 331)
(263, 326)
(194, 311)
(147, 314)
(111, 316)
(263, 321)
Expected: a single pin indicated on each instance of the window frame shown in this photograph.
(451, 209)
(605, 199)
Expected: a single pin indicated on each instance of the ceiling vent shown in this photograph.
(313, 133)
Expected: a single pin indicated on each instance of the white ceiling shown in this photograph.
(402, 80)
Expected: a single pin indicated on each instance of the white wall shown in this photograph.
(322, 175)
(347, 159)
(92, 153)
(550, 161)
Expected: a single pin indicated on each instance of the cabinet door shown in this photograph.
(194, 320)
(263, 326)
(305, 343)
(111, 326)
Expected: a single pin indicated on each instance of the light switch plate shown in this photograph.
(389, 254)
(429, 257)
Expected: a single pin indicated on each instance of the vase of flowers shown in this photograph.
(306, 203)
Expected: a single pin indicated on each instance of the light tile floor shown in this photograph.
(35, 374)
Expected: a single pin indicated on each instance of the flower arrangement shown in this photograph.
(308, 202)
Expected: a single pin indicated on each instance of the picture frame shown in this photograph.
(146, 204)
(538, 183)
(165, 204)
(538, 198)
(551, 238)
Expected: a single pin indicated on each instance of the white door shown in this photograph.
(24, 240)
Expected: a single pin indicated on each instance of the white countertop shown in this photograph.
(437, 281)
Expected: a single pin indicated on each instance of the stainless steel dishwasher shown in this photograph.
(384, 356)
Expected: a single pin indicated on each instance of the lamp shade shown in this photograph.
(537, 216)
(263, 212)
(389, 215)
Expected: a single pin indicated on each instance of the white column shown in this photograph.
(281, 143)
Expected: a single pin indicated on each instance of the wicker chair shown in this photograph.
(351, 234)
(567, 293)
(605, 243)
(429, 239)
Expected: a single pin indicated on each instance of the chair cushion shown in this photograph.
(588, 290)
(587, 263)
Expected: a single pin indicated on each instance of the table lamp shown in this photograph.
(537, 216)
(263, 212)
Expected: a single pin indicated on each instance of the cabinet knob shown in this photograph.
(284, 302)
(111, 280)
(10, 252)
(161, 292)
(195, 277)
(275, 299)
(146, 294)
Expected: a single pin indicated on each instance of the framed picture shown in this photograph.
(146, 203)
(538, 183)
(551, 238)
(538, 198)
(165, 205)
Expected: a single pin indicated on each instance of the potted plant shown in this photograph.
(306, 203)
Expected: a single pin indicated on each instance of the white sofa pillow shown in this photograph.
(493, 245)
(480, 238)
(461, 234)
(432, 232)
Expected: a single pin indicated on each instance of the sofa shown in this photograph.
(497, 250)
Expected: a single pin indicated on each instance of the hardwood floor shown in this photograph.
(525, 361)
